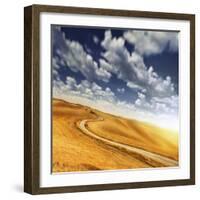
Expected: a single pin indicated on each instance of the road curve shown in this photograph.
(147, 156)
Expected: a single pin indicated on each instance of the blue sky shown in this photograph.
(123, 69)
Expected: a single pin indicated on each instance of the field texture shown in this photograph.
(86, 139)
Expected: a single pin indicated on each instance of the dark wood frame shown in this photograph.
(32, 105)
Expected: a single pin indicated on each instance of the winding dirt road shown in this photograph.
(152, 159)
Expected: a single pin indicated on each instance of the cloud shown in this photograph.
(73, 55)
(112, 43)
(105, 65)
(152, 42)
(55, 67)
(131, 69)
(170, 102)
(88, 50)
(86, 89)
(95, 39)
(134, 86)
(121, 90)
(168, 105)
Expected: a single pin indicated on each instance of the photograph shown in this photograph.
(114, 98)
(109, 99)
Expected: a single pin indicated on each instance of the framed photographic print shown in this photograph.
(109, 99)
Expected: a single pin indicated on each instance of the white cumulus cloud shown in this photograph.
(86, 89)
(152, 42)
(73, 55)
(132, 69)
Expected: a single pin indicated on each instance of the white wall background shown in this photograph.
(11, 99)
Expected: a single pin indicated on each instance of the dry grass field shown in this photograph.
(74, 150)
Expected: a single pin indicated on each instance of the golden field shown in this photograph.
(75, 150)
